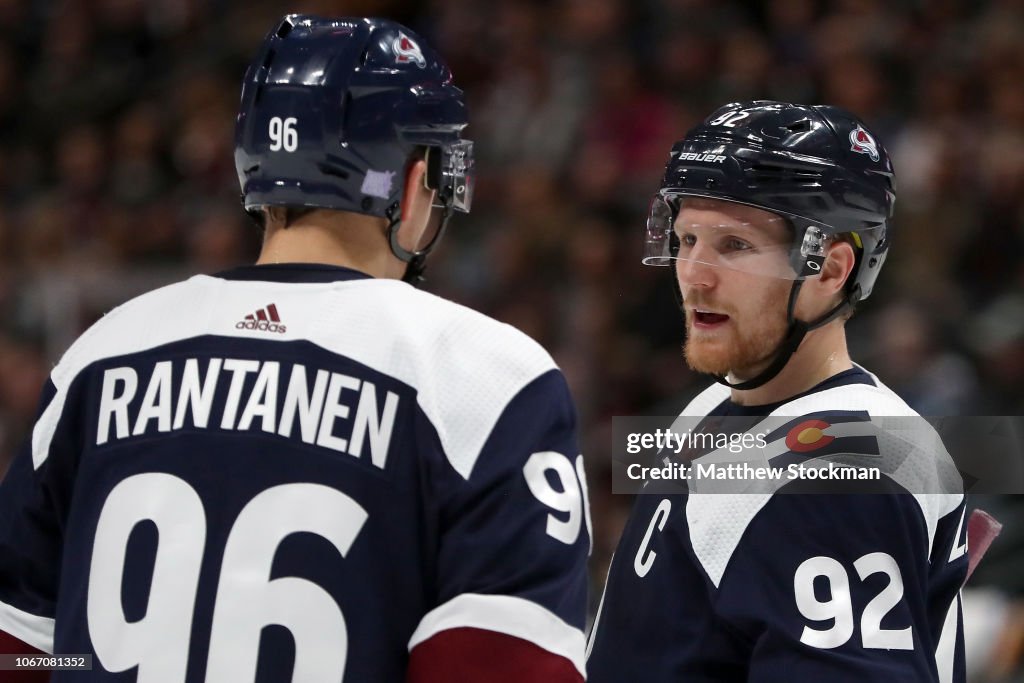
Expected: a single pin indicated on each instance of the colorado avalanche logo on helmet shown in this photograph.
(862, 143)
(406, 50)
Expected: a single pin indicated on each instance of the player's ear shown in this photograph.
(416, 206)
(838, 266)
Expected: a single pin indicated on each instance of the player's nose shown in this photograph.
(696, 271)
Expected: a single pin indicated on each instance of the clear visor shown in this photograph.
(746, 240)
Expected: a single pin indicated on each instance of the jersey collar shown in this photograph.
(855, 375)
(293, 272)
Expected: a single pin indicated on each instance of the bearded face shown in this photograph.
(737, 329)
(735, 317)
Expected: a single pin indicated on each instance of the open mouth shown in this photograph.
(708, 318)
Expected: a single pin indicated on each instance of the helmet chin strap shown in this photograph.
(416, 261)
(795, 334)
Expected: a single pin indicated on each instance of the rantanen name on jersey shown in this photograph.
(248, 405)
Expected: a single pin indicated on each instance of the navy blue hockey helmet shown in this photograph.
(333, 109)
(818, 167)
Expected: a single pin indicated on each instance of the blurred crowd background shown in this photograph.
(116, 176)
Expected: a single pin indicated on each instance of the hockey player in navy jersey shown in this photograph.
(306, 469)
(776, 219)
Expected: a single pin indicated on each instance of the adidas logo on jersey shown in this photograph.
(264, 320)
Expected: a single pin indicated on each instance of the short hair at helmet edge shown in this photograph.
(294, 213)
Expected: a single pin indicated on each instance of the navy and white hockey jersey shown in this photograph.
(776, 587)
(294, 472)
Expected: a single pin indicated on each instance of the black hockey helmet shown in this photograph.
(331, 112)
(819, 167)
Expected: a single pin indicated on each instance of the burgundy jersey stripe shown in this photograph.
(464, 654)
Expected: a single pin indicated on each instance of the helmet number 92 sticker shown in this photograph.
(729, 119)
(283, 134)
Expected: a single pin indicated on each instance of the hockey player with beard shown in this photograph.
(776, 218)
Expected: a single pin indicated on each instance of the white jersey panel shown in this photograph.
(707, 400)
(465, 366)
(35, 630)
(920, 462)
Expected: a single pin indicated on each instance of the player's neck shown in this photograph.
(822, 354)
(360, 247)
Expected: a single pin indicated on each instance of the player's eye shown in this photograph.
(734, 244)
(688, 240)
